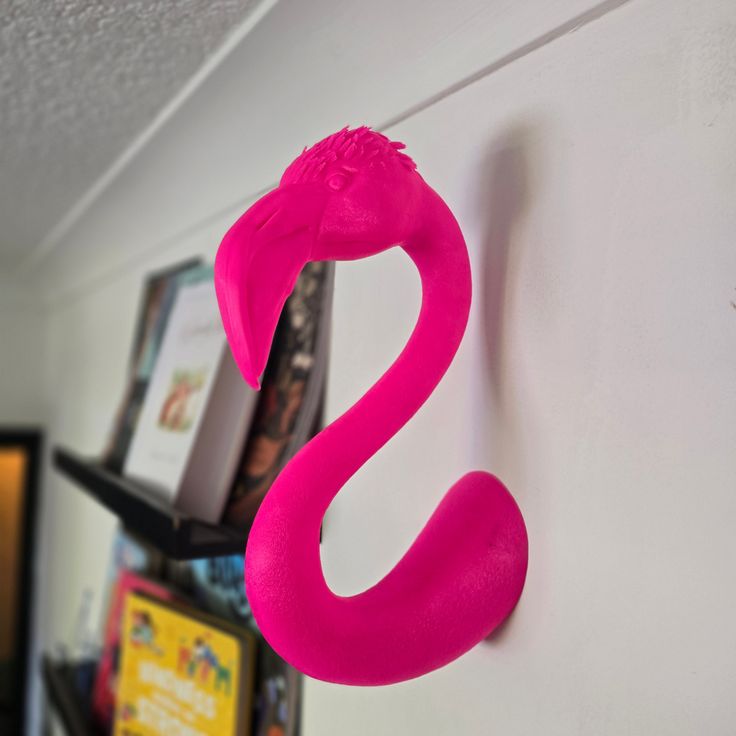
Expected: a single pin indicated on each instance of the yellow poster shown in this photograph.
(179, 675)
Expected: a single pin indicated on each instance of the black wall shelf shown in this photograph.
(142, 513)
(62, 681)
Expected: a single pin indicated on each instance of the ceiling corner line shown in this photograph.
(55, 236)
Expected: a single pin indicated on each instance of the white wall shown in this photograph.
(591, 164)
(22, 352)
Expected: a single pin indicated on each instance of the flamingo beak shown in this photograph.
(256, 268)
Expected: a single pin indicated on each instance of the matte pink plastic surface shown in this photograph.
(351, 196)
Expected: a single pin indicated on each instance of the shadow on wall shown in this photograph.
(504, 196)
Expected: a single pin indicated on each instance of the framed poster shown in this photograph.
(19, 459)
(182, 672)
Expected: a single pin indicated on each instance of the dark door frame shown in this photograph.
(30, 440)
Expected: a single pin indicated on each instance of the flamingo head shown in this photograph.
(352, 195)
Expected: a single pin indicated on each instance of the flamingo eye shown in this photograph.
(337, 181)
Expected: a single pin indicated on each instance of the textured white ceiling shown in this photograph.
(79, 80)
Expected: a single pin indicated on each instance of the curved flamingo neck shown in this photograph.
(283, 559)
(438, 250)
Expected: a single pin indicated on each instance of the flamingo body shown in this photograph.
(350, 196)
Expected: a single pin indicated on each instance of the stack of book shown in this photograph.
(189, 428)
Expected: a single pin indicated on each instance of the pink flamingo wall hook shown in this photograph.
(350, 196)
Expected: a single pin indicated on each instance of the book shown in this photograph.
(106, 680)
(182, 672)
(218, 584)
(128, 553)
(288, 412)
(158, 295)
(278, 702)
(197, 408)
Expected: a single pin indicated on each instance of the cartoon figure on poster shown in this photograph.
(143, 632)
(198, 660)
(353, 195)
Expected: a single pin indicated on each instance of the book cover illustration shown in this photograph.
(182, 674)
(106, 680)
(217, 583)
(287, 409)
(181, 402)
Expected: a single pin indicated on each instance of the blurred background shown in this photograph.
(587, 151)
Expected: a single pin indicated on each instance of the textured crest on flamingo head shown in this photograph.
(370, 191)
(356, 148)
